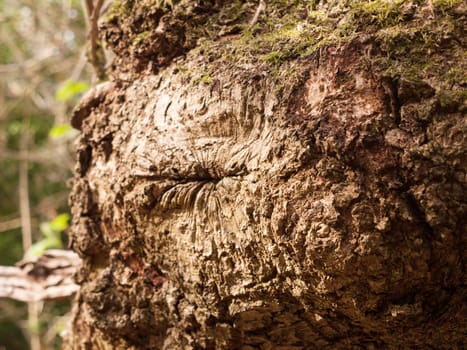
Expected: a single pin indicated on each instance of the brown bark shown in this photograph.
(222, 201)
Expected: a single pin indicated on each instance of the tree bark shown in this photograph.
(291, 181)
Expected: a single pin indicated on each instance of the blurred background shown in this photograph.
(43, 71)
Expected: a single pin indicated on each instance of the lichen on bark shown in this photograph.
(291, 183)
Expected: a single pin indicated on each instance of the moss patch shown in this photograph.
(409, 38)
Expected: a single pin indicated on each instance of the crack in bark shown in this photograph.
(391, 88)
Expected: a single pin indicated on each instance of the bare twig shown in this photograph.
(10, 224)
(261, 7)
(79, 66)
(94, 36)
(32, 64)
(88, 8)
(25, 212)
(39, 156)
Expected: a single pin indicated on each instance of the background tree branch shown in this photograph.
(47, 277)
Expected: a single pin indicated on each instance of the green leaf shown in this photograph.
(52, 238)
(71, 89)
(60, 327)
(38, 248)
(14, 127)
(60, 222)
(33, 326)
(61, 130)
(47, 230)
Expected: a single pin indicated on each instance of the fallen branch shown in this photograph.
(47, 277)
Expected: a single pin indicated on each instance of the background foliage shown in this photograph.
(43, 71)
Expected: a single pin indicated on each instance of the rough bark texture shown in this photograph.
(298, 183)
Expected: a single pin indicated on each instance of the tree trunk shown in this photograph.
(279, 175)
